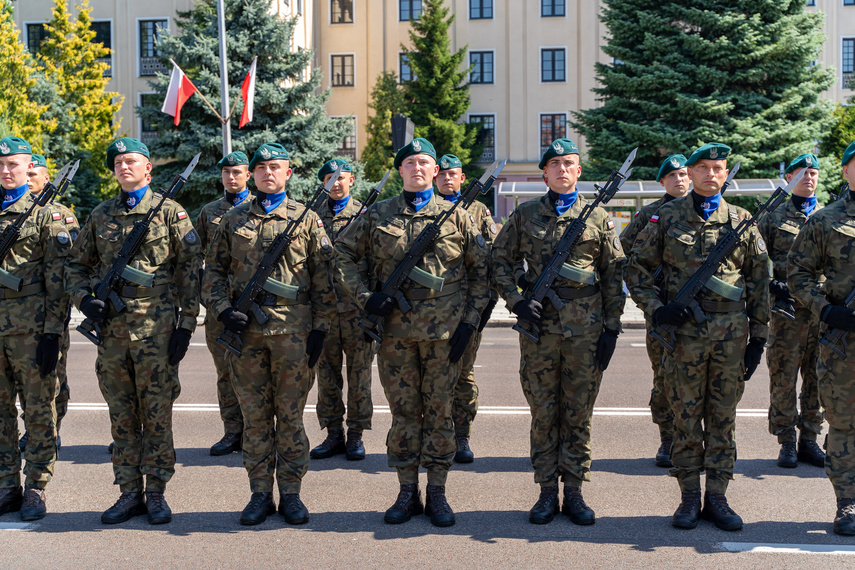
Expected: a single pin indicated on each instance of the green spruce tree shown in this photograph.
(835, 141)
(377, 154)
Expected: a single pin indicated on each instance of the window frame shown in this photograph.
(138, 33)
(552, 49)
(481, 9)
(540, 116)
(553, 3)
(410, 2)
(401, 81)
(352, 55)
(494, 116)
(112, 37)
(355, 121)
(492, 53)
(140, 131)
(352, 14)
(25, 26)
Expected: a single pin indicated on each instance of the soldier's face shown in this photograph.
(132, 171)
(13, 170)
(235, 178)
(562, 172)
(807, 185)
(341, 188)
(271, 176)
(37, 179)
(708, 176)
(448, 181)
(676, 182)
(418, 172)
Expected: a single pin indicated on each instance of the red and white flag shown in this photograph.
(248, 93)
(179, 91)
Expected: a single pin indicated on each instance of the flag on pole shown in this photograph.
(248, 93)
(179, 91)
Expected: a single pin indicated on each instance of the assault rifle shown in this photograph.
(261, 283)
(120, 271)
(406, 269)
(369, 201)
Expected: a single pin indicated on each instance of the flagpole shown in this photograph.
(224, 80)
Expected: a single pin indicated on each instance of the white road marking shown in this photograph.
(14, 526)
(772, 548)
(638, 345)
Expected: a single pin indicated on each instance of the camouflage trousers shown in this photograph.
(226, 398)
(836, 378)
(20, 373)
(660, 406)
(139, 387)
(63, 393)
(345, 337)
(419, 380)
(272, 380)
(793, 347)
(560, 379)
(466, 392)
(704, 381)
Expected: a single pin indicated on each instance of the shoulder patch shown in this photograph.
(63, 238)
(69, 220)
(325, 243)
(493, 228)
(471, 218)
(320, 223)
(611, 225)
(654, 218)
(74, 233)
(191, 237)
(56, 216)
(617, 243)
(636, 214)
(488, 211)
(761, 245)
(182, 215)
(479, 239)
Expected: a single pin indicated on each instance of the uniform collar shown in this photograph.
(432, 208)
(547, 207)
(117, 207)
(281, 211)
(18, 196)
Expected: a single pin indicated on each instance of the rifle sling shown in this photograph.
(271, 300)
(572, 293)
(421, 294)
(26, 291)
(132, 292)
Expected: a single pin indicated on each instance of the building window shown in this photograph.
(811, 2)
(341, 11)
(347, 147)
(849, 2)
(36, 35)
(487, 136)
(847, 62)
(552, 65)
(405, 74)
(148, 130)
(552, 126)
(480, 9)
(104, 36)
(342, 70)
(482, 72)
(150, 63)
(551, 8)
(409, 9)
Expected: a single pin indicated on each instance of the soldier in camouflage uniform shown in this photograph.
(793, 344)
(345, 337)
(33, 319)
(235, 171)
(448, 182)
(674, 177)
(561, 373)
(273, 375)
(418, 359)
(704, 375)
(825, 248)
(137, 363)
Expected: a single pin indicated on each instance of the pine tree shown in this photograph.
(289, 104)
(377, 154)
(835, 141)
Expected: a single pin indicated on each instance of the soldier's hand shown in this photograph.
(674, 314)
(780, 290)
(530, 310)
(753, 353)
(606, 347)
(380, 304)
(94, 308)
(47, 353)
(234, 320)
(459, 341)
(315, 346)
(178, 344)
(488, 310)
(839, 317)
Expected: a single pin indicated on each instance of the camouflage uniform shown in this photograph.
(272, 377)
(704, 375)
(793, 345)
(415, 372)
(824, 247)
(39, 308)
(660, 407)
(135, 378)
(560, 376)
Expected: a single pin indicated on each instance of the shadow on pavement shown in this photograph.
(84, 454)
(760, 468)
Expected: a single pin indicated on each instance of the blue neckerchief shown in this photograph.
(706, 205)
(270, 201)
(453, 197)
(563, 202)
(238, 197)
(805, 204)
(338, 205)
(132, 198)
(418, 200)
(12, 196)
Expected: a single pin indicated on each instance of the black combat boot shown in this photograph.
(718, 511)
(689, 511)
(33, 507)
(292, 509)
(811, 452)
(408, 503)
(228, 444)
(574, 506)
(787, 456)
(129, 505)
(354, 448)
(22, 443)
(158, 511)
(663, 456)
(332, 445)
(436, 507)
(10, 500)
(260, 506)
(464, 453)
(546, 507)
(844, 521)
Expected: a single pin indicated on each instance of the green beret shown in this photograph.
(14, 145)
(268, 151)
(559, 147)
(672, 163)
(417, 146)
(331, 166)
(125, 145)
(848, 154)
(233, 159)
(449, 161)
(711, 151)
(39, 160)
(803, 161)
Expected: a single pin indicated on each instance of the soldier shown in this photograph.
(33, 320)
(418, 359)
(704, 374)
(793, 344)
(823, 248)
(235, 171)
(273, 375)
(465, 406)
(137, 362)
(346, 337)
(674, 177)
(561, 374)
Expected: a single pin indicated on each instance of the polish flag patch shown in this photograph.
(320, 223)
(654, 218)
(182, 215)
(611, 225)
(56, 216)
(69, 219)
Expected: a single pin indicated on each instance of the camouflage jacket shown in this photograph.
(483, 220)
(532, 234)
(779, 229)
(459, 256)
(238, 245)
(638, 223)
(334, 224)
(680, 241)
(37, 258)
(209, 219)
(170, 252)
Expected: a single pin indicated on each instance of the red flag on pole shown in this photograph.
(179, 91)
(248, 93)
